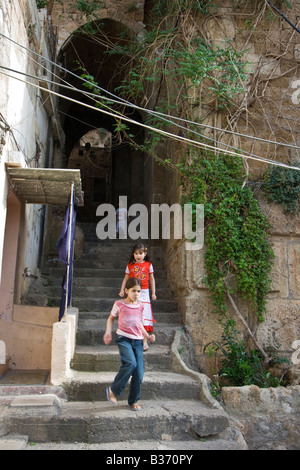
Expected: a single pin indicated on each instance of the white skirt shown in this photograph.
(148, 313)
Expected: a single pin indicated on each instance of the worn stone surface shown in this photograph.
(13, 443)
(34, 405)
(281, 326)
(151, 445)
(275, 415)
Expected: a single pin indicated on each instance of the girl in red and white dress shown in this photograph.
(140, 267)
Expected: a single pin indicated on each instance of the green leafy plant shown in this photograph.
(161, 57)
(90, 10)
(41, 4)
(282, 185)
(223, 67)
(88, 7)
(239, 366)
(236, 237)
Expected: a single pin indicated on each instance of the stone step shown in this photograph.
(110, 263)
(97, 262)
(13, 442)
(158, 450)
(117, 249)
(123, 245)
(113, 283)
(114, 261)
(173, 318)
(91, 291)
(57, 272)
(8, 392)
(91, 334)
(107, 358)
(92, 280)
(105, 304)
(91, 233)
(91, 386)
(101, 422)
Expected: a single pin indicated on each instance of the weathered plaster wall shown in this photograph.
(24, 121)
(24, 141)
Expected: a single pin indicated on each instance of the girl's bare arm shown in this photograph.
(107, 337)
(122, 290)
(152, 286)
(148, 337)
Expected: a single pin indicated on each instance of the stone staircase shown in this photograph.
(173, 415)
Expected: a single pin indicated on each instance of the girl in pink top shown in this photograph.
(129, 338)
(140, 267)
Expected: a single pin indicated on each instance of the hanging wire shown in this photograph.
(283, 16)
(118, 115)
(159, 131)
(94, 95)
(122, 101)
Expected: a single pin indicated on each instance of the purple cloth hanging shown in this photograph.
(62, 247)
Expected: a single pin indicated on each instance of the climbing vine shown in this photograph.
(282, 185)
(239, 254)
(241, 367)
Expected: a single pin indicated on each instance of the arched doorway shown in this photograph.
(110, 167)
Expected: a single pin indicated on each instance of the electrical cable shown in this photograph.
(283, 16)
(155, 113)
(160, 131)
(94, 95)
(176, 137)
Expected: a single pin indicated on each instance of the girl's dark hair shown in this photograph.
(131, 282)
(140, 247)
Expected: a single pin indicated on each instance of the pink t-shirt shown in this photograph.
(130, 319)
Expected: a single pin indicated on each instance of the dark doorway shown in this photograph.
(115, 168)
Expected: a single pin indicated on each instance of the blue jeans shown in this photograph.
(132, 365)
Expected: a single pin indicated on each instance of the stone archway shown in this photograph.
(114, 168)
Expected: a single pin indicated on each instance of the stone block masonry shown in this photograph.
(275, 415)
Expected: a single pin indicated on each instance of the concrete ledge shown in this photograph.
(35, 315)
(28, 333)
(35, 405)
(63, 346)
(179, 366)
(13, 442)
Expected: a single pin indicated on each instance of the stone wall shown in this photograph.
(275, 415)
(281, 327)
(270, 111)
(126, 12)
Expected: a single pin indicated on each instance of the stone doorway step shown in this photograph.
(172, 416)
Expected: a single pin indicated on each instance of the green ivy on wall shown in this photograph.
(282, 185)
(236, 236)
